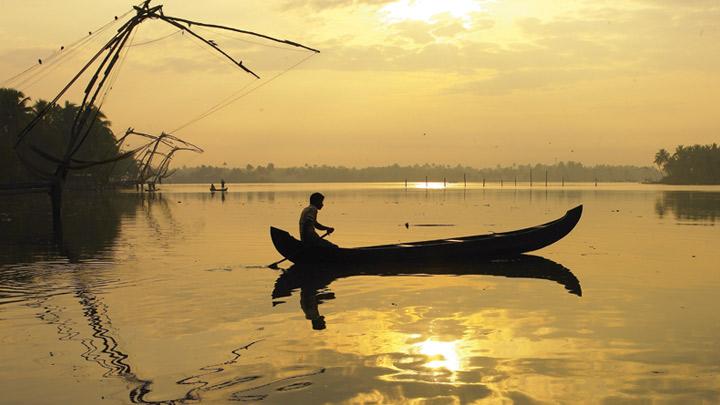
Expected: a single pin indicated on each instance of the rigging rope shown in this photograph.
(156, 39)
(63, 52)
(235, 97)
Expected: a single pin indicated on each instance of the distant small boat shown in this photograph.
(478, 247)
(222, 190)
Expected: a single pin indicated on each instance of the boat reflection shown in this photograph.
(313, 281)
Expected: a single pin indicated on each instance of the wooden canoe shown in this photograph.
(479, 247)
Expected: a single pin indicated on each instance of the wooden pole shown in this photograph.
(464, 180)
(56, 200)
(545, 178)
(483, 182)
(530, 177)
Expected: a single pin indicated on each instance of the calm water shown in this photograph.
(165, 298)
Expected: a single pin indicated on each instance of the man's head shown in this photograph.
(317, 199)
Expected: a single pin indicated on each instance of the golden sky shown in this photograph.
(467, 82)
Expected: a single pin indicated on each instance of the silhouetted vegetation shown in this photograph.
(567, 171)
(51, 137)
(697, 164)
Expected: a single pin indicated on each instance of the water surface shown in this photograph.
(165, 297)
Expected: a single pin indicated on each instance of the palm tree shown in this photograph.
(662, 157)
(14, 114)
(14, 110)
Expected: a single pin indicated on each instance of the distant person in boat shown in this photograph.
(222, 184)
(309, 223)
(212, 187)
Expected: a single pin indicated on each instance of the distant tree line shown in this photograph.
(51, 136)
(696, 164)
(567, 171)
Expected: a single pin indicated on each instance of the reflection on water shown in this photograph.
(163, 298)
(690, 206)
(313, 281)
(90, 225)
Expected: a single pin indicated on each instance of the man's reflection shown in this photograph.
(309, 304)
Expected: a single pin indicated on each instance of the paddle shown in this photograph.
(274, 266)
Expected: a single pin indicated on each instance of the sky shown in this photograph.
(471, 82)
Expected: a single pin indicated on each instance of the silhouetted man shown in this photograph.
(309, 223)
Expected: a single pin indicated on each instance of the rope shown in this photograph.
(50, 59)
(235, 97)
(156, 39)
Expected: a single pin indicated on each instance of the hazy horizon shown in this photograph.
(420, 164)
(475, 83)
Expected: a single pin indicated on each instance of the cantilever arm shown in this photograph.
(282, 41)
(172, 21)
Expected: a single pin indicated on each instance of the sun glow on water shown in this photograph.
(445, 354)
(432, 185)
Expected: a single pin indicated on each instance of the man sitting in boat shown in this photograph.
(309, 223)
(212, 187)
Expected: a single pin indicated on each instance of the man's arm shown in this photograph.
(322, 227)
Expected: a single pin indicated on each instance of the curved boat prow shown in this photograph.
(546, 234)
(572, 217)
(575, 212)
(285, 244)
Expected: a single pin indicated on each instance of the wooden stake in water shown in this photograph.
(545, 178)
(464, 180)
(530, 177)
(483, 181)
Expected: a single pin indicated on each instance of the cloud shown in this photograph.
(418, 32)
(320, 5)
(529, 79)
(674, 4)
(587, 45)
(660, 38)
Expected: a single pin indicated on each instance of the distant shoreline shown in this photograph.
(538, 173)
